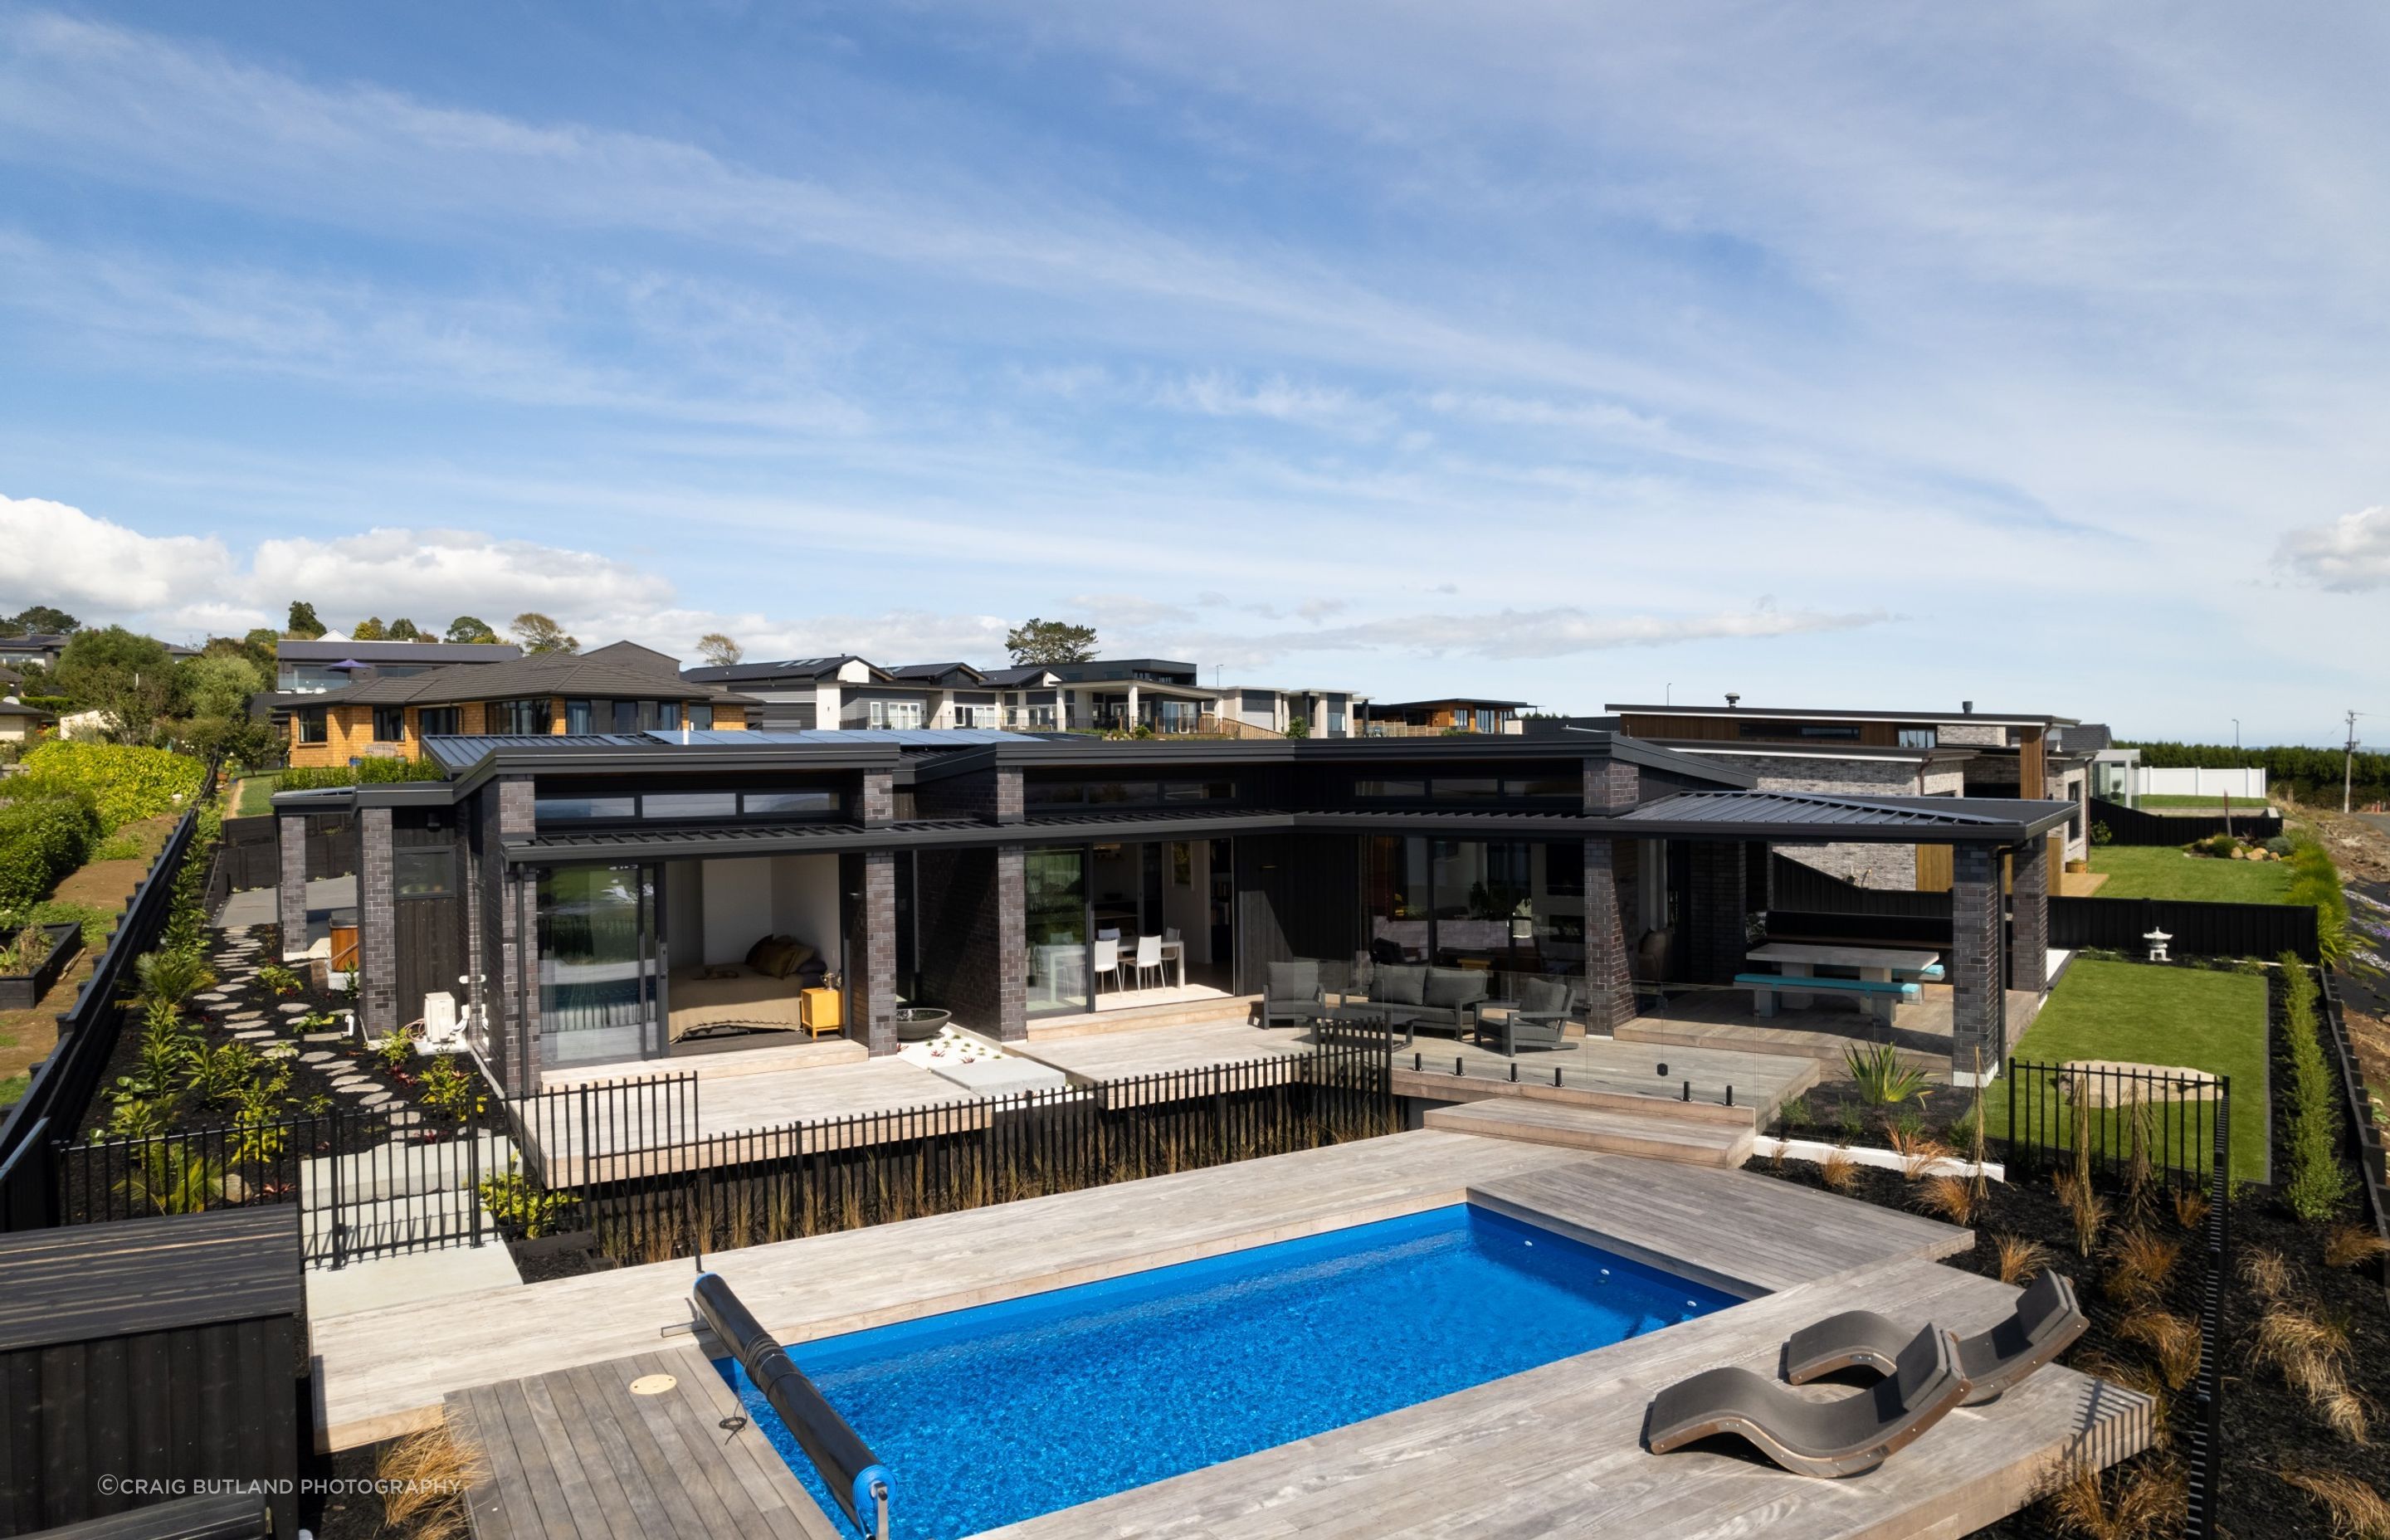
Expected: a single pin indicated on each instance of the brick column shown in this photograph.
(871, 956)
(376, 925)
(290, 893)
(2029, 900)
(1609, 987)
(1011, 960)
(1611, 786)
(1978, 1004)
(511, 992)
(1716, 925)
(879, 799)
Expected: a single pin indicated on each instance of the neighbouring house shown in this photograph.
(1454, 713)
(609, 900)
(623, 688)
(1162, 696)
(21, 724)
(305, 671)
(1926, 753)
(44, 648)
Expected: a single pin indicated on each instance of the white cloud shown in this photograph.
(1559, 631)
(2350, 555)
(430, 575)
(62, 555)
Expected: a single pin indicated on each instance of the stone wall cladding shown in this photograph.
(291, 891)
(1609, 984)
(1893, 867)
(1971, 734)
(2029, 902)
(879, 798)
(1714, 894)
(972, 938)
(1869, 866)
(1610, 785)
(513, 987)
(1978, 1002)
(377, 924)
(1942, 781)
(872, 960)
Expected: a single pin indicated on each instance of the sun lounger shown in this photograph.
(2047, 1321)
(1848, 1437)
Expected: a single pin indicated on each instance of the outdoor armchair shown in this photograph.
(1293, 993)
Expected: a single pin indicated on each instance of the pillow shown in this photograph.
(774, 957)
(1400, 986)
(1294, 980)
(1544, 997)
(755, 953)
(1456, 986)
(798, 956)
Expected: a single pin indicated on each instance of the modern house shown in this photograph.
(623, 688)
(1162, 696)
(1452, 713)
(44, 648)
(1928, 754)
(324, 665)
(619, 898)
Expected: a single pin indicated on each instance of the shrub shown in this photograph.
(124, 781)
(41, 839)
(1881, 1078)
(366, 772)
(521, 1209)
(2316, 881)
(2317, 1182)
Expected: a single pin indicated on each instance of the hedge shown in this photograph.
(41, 839)
(369, 772)
(124, 781)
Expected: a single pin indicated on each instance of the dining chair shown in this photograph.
(1107, 961)
(1149, 956)
(1109, 932)
(1170, 932)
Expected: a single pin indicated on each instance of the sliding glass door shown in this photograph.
(1055, 883)
(601, 965)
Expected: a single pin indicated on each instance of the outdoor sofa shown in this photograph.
(1417, 998)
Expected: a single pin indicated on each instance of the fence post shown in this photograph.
(2013, 1115)
(340, 1255)
(473, 1179)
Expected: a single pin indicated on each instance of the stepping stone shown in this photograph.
(319, 1057)
(254, 1034)
(293, 1010)
(375, 1099)
(352, 1084)
(282, 1050)
(214, 997)
(404, 1117)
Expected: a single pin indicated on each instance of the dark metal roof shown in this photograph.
(1993, 719)
(619, 672)
(1378, 706)
(786, 668)
(1761, 748)
(92, 1281)
(2083, 738)
(294, 651)
(1810, 815)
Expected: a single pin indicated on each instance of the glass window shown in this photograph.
(530, 715)
(783, 805)
(1919, 738)
(437, 722)
(1122, 793)
(1487, 720)
(701, 715)
(626, 717)
(663, 716)
(1198, 792)
(389, 724)
(689, 805)
(1467, 789)
(1055, 923)
(1544, 786)
(1053, 794)
(598, 963)
(574, 810)
(424, 871)
(580, 716)
(313, 726)
(1394, 898)
(1391, 790)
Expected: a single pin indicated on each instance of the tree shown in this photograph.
(470, 628)
(538, 634)
(719, 650)
(370, 629)
(129, 678)
(1036, 641)
(218, 684)
(404, 630)
(44, 618)
(259, 645)
(304, 624)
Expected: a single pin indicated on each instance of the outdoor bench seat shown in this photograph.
(1877, 997)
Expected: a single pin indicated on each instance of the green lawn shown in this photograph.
(2204, 803)
(2162, 871)
(256, 797)
(2153, 1015)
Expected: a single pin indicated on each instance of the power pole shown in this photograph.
(2347, 762)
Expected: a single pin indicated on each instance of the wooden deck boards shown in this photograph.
(384, 1371)
(573, 1454)
(1658, 1136)
(1557, 1450)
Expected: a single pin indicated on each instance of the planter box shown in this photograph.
(23, 991)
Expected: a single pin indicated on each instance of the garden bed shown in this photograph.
(24, 991)
(2272, 1430)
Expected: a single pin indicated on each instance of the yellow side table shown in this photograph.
(820, 1012)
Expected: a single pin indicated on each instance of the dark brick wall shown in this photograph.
(1977, 1001)
(1610, 785)
(510, 940)
(1609, 988)
(993, 796)
(376, 925)
(2029, 898)
(291, 892)
(972, 938)
(1714, 895)
(879, 798)
(871, 949)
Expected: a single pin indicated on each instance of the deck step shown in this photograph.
(1178, 1013)
(1687, 1141)
(1826, 1047)
(1429, 1085)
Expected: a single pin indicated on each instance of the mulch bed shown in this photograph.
(2269, 1428)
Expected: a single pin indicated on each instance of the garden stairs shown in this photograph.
(1700, 1133)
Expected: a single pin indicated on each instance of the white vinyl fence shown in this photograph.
(2248, 784)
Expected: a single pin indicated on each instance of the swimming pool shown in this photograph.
(1002, 1412)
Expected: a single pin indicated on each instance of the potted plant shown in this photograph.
(920, 1023)
(31, 960)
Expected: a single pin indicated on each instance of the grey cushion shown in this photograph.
(1401, 987)
(1294, 980)
(1456, 986)
(1545, 995)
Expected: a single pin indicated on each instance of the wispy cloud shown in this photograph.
(2351, 555)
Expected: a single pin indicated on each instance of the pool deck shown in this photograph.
(542, 1370)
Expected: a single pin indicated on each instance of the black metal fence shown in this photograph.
(2196, 927)
(251, 854)
(2130, 825)
(2369, 1151)
(2130, 1126)
(63, 1084)
(2206, 1440)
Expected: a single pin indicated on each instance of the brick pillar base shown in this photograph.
(376, 925)
(871, 956)
(2029, 900)
(291, 891)
(1978, 1005)
(1716, 923)
(1609, 989)
(1012, 940)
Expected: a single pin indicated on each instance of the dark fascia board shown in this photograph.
(670, 759)
(1702, 748)
(1642, 752)
(1505, 746)
(1992, 719)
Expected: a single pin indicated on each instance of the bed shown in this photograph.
(724, 999)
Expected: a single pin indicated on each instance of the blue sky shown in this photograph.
(1566, 353)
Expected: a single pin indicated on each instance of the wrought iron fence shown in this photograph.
(2123, 1124)
(2206, 1439)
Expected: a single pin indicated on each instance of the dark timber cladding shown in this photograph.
(937, 827)
(161, 1349)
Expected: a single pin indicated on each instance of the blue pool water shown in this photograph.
(1002, 1412)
